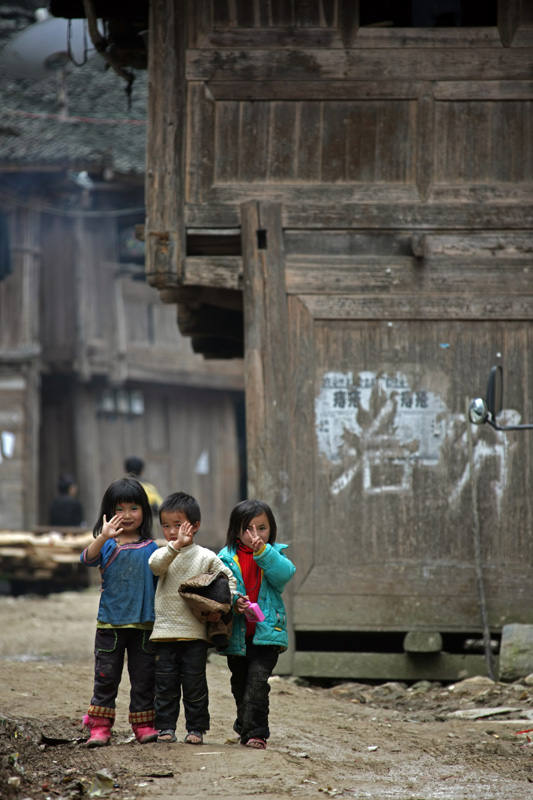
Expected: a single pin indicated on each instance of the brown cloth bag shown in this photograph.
(206, 593)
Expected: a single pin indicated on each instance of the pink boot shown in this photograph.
(100, 728)
(144, 733)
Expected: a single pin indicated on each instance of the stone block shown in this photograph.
(422, 642)
(516, 652)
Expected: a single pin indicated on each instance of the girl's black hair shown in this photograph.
(125, 490)
(243, 514)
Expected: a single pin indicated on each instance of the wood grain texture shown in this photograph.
(266, 347)
(381, 666)
(370, 64)
(165, 149)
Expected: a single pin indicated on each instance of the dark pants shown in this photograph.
(181, 666)
(110, 647)
(250, 688)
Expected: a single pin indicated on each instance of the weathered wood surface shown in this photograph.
(19, 291)
(457, 266)
(26, 558)
(423, 307)
(188, 439)
(257, 64)
(381, 666)
(402, 275)
(96, 313)
(400, 164)
(165, 232)
(266, 332)
(391, 612)
(266, 335)
(20, 350)
(301, 370)
(457, 207)
(376, 90)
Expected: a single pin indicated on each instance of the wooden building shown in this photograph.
(93, 368)
(353, 180)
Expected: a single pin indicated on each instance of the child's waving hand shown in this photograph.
(185, 536)
(111, 529)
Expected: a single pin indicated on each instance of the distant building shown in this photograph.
(92, 364)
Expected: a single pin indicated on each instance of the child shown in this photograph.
(180, 638)
(262, 571)
(121, 548)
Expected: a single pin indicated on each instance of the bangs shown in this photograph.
(128, 494)
(125, 490)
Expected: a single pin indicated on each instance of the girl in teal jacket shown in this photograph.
(262, 571)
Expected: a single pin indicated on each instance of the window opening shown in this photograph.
(428, 13)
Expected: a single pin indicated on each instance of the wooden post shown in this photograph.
(86, 451)
(82, 272)
(508, 20)
(425, 136)
(30, 336)
(348, 21)
(167, 99)
(266, 359)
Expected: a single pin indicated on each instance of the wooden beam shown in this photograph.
(314, 90)
(222, 272)
(165, 226)
(398, 63)
(410, 307)
(328, 206)
(388, 666)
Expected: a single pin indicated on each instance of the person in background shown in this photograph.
(135, 466)
(121, 548)
(66, 509)
(262, 571)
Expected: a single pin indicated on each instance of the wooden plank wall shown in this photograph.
(187, 438)
(105, 328)
(97, 315)
(402, 164)
(19, 370)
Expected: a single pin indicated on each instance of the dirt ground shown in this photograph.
(352, 740)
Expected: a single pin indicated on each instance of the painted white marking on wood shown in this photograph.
(379, 426)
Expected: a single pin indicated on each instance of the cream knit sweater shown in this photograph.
(173, 617)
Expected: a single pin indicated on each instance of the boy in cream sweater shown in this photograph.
(179, 637)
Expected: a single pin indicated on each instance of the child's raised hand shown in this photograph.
(256, 543)
(185, 536)
(111, 529)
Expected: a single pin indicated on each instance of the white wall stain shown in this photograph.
(482, 451)
(202, 463)
(409, 427)
(7, 444)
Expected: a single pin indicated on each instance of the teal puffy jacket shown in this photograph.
(277, 572)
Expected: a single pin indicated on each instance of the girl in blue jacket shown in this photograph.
(121, 548)
(262, 571)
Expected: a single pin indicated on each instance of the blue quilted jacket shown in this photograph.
(277, 570)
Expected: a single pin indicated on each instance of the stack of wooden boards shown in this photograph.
(47, 560)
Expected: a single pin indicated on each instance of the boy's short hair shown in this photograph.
(181, 501)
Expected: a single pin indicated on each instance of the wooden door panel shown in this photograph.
(389, 488)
